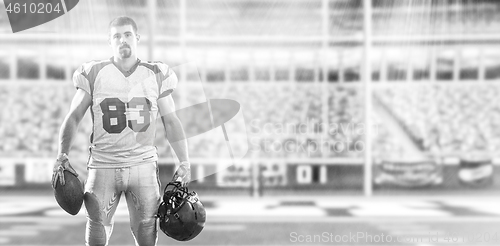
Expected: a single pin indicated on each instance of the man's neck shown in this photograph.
(125, 64)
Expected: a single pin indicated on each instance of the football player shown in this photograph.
(124, 95)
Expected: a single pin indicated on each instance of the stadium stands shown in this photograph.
(31, 119)
(440, 118)
(447, 119)
(33, 113)
(283, 88)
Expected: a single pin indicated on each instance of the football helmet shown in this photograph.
(181, 214)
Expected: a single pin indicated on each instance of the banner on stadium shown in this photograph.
(237, 175)
(475, 173)
(7, 173)
(241, 174)
(408, 173)
(273, 174)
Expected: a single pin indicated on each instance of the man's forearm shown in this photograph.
(177, 138)
(79, 105)
(66, 134)
(180, 148)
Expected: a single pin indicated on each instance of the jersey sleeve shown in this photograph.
(80, 81)
(168, 81)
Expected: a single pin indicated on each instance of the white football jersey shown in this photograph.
(124, 110)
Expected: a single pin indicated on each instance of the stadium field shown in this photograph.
(37, 220)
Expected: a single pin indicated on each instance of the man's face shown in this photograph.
(123, 41)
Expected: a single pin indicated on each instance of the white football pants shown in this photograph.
(103, 190)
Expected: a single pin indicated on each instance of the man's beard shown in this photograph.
(125, 53)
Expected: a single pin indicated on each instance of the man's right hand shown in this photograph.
(62, 163)
(183, 174)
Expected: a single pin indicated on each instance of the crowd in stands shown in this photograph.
(31, 116)
(281, 120)
(443, 118)
(384, 143)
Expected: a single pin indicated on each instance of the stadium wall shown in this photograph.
(304, 178)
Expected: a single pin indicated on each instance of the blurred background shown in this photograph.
(347, 101)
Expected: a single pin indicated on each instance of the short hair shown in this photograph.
(123, 21)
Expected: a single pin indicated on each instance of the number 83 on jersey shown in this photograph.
(117, 115)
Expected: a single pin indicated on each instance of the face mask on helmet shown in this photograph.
(181, 214)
